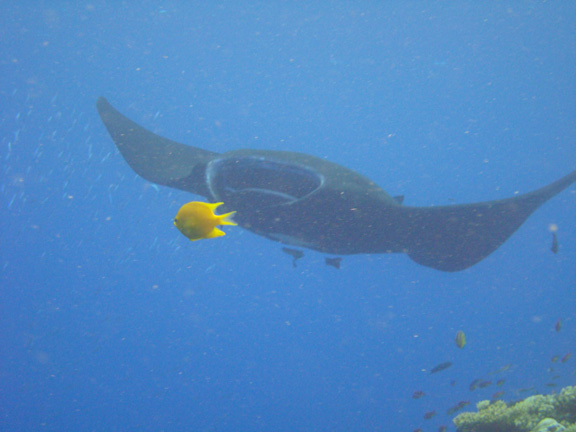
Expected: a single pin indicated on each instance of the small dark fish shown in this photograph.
(551, 384)
(418, 394)
(442, 428)
(498, 394)
(474, 384)
(558, 325)
(555, 358)
(453, 383)
(566, 358)
(440, 367)
(457, 407)
(428, 415)
(502, 369)
(526, 389)
(418, 430)
(294, 253)
(484, 384)
(500, 382)
(460, 339)
(554, 247)
(334, 262)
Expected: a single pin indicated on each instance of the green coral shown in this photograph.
(548, 425)
(523, 416)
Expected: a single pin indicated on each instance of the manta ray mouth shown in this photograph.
(259, 182)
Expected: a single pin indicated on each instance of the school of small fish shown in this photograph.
(480, 384)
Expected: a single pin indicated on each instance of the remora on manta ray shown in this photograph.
(302, 200)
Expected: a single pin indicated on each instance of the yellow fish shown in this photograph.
(460, 339)
(196, 220)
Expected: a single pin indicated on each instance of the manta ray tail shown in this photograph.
(453, 238)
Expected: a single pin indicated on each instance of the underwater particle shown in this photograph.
(566, 358)
(558, 325)
(334, 262)
(418, 394)
(429, 414)
(440, 367)
(453, 383)
(294, 253)
(460, 339)
(197, 220)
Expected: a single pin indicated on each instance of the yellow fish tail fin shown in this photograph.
(226, 219)
(213, 206)
(215, 233)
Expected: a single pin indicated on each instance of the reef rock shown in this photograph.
(539, 413)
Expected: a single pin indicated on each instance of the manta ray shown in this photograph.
(305, 201)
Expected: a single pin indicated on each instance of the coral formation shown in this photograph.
(539, 413)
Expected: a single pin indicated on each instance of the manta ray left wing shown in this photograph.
(155, 158)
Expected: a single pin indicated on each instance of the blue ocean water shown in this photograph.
(111, 320)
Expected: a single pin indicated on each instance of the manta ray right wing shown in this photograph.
(452, 238)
